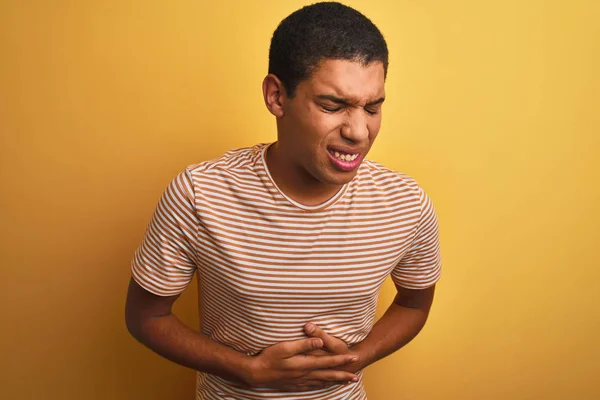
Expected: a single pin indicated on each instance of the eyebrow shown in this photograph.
(339, 100)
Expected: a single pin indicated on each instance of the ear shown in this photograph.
(274, 95)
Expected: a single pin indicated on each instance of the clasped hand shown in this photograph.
(317, 362)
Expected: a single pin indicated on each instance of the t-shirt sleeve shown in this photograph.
(165, 261)
(420, 267)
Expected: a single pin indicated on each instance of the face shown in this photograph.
(328, 128)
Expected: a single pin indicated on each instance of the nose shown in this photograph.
(355, 128)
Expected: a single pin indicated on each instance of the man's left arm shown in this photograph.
(415, 277)
(402, 321)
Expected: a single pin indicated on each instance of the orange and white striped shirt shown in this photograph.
(266, 264)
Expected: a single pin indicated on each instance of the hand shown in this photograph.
(331, 346)
(286, 366)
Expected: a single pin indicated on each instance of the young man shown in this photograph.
(291, 241)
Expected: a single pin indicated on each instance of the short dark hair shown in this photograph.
(321, 31)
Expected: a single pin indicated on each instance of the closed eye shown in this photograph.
(332, 109)
(372, 112)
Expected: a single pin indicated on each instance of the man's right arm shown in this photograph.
(282, 366)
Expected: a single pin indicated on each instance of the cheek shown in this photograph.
(373, 127)
(322, 124)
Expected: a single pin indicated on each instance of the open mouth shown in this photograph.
(343, 156)
(344, 160)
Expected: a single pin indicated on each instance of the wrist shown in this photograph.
(361, 350)
(246, 371)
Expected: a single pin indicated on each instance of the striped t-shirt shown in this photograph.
(266, 265)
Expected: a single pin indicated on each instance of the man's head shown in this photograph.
(327, 71)
(319, 32)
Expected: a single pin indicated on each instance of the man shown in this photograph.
(291, 241)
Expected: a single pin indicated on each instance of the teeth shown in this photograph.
(345, 157)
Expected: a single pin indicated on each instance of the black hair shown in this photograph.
(321, 31)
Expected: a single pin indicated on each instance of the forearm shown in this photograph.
(172, 339)
(402, 321)
(398, 326)
(283, 365)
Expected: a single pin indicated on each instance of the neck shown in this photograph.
(295, 181)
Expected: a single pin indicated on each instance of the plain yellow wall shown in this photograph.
(492, 105)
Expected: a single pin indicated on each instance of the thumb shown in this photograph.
(295, 347)
(331, 343)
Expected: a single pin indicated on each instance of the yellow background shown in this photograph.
(492, 105)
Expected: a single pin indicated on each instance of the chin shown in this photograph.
(340, 178)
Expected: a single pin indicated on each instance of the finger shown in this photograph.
(332, 376)
(333, 361)
(331, 343)
(318, 353)
(295, 347)
(320, 362)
